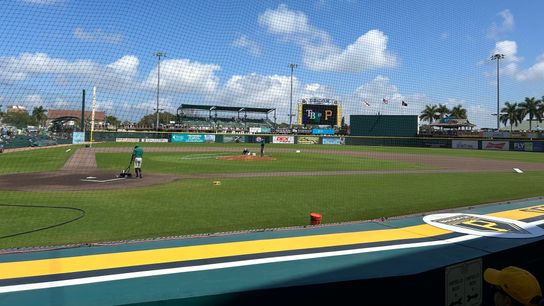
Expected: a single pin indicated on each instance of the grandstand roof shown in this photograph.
(227, 108)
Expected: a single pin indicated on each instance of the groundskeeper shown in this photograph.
(137, 156)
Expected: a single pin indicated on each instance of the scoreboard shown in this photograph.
(319, 114)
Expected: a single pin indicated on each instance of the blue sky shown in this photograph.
(238, 52)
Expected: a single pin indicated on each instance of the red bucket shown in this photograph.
(315, 218)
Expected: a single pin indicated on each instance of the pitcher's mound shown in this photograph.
(245, 157)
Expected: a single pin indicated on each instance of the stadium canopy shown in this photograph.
(227, 108)
(453, 123)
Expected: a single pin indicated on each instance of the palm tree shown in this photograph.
(512, 114)
(38, 113)
(530, 107)
(442, 110)
(459, 112)
(429, 113)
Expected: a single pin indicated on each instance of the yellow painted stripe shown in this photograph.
(135, 258)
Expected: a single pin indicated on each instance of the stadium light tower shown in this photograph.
(158, 55)
(497, 57)
(292, 66)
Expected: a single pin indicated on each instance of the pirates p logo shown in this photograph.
(484, 225)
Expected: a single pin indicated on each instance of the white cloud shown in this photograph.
(98, 36)
(120, 74)
(28, 65)
(184, 76)
(127, 66)
(245, 43)
(507, 25)
(259, 90)
(284, 21)
(368, 52)
(535, 72)
(509, 48)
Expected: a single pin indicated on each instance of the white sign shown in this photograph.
(464, 283)
(283, 139)
(464, 144)
(154, 140)
(127, 139)
(487, 226)
(254, 130)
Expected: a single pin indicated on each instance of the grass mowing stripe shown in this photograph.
(198, 206)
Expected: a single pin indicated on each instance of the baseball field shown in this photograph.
(71, 194)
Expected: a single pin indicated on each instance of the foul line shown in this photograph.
(102, 181)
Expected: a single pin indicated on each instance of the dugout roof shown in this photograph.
(227, 108)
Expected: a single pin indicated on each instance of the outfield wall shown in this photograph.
(424, 142)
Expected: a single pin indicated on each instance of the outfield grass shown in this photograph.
(537, 157)
(198, 206)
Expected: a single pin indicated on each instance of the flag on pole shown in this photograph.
(404, 103)
(366, 103)
(385, 101)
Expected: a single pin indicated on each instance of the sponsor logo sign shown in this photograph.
(487, 226)
(317, 131)
(154, 140)
(209, 138)
(78, 137)
(308, 140)
(283, 131)
(235, 139)
(127, 139)
(464, 144)
(523, 146)
(283, 139)
(266, 130)
(254, 130)
(495, 145)
(188, 138)
(332, 141)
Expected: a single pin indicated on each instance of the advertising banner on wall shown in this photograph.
(266, 130)
(523, 146)
(127, 139)
(308, 140)
(317, 131)
(154, 140)
(333, 141)
(254, 130)
(235, 139)
(495, 145)
(538, 146)
(188, 138)
(78, 137)
(209, 138)
(283, 139)
(464, 144)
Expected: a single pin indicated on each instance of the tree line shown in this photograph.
(511, 114)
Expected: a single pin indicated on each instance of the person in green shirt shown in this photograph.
(137, 155)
